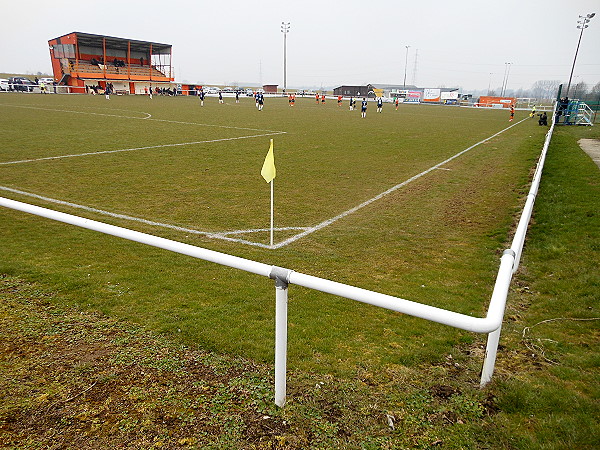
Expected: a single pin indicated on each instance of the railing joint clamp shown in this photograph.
(281, 276)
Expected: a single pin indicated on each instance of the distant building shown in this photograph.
(84, 60)
(406, 93)
(353, 91)
(390, 88)
(270, 88)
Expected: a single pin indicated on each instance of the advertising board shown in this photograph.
(431, 95)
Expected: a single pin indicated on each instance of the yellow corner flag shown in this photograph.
(268, 171)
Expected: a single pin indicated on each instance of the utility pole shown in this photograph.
(505, 79)
(583, 24)
(405, 64)
(414, 76)
(285, 29)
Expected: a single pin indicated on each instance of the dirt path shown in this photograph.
(592, 148)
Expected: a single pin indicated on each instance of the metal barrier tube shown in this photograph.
(518, 242)
(489, 362)
(519, 238)
(281, 315)
(167, 244)
(496, 310)
(462, 321)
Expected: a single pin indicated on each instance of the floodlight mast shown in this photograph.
(405, 64)
(285, 29)
(505, 80)
(583, 24)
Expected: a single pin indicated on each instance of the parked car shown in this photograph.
(46, 81)
(3, 84)
(21, 84)
(28, 85)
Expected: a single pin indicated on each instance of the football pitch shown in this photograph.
(417, 203)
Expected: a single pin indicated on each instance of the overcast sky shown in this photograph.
(457, 43)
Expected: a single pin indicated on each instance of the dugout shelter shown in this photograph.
(83, 61)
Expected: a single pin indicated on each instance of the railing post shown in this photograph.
(496, 309)
(281, 277)
(489, 362)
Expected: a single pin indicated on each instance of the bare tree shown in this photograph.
(593, 95)
(521, 93)
(545, 89)
(580, 90)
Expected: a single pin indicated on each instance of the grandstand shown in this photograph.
(83, 61)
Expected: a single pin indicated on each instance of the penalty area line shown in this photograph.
(142, 118)
(389, 191)
(103, 152)
(224, 235)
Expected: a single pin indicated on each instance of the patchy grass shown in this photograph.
(83, 380)
(435, 241)
(76, 378)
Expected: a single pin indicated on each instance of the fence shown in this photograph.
(37, 89)
(490, 324)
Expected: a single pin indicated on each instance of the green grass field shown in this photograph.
(436, 240)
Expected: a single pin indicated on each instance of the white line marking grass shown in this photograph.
(225, 235)
(148, 117)
(143, 118)
(101, 152)
(383, 194)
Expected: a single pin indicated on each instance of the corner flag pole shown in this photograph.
(268, 172)
(272, 182)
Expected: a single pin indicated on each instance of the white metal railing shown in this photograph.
(516, 248)
(584, 114)
(36, 88)
(490, 324)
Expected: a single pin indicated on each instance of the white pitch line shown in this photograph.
(46, 158)
(224, 235)
(143, 118)
(210, 234)
(258, 230)
(383, 194)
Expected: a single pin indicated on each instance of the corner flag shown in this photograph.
(268, 169)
